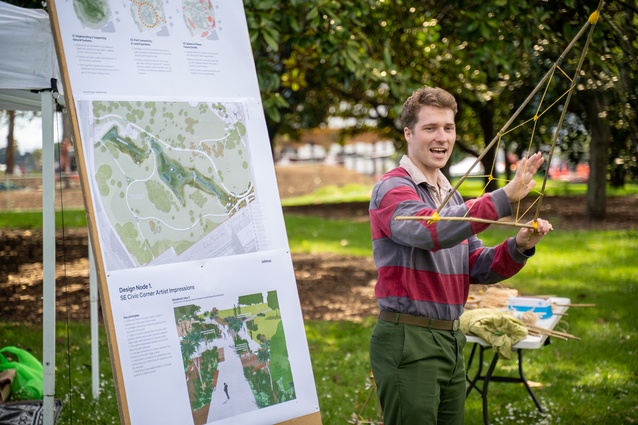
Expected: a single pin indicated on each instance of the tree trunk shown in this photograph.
(598, 157)
(272, 127)
(10, 156)
(486, 118)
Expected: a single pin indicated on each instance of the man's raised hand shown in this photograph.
(523, 181)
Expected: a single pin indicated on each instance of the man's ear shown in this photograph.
(407, 134)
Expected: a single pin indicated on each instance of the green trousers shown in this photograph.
(420, 374)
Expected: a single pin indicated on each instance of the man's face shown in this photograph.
(431, 140)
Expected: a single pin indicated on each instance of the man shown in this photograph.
(425, 268)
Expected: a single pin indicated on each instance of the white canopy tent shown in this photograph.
(28, 57)
(29, 74)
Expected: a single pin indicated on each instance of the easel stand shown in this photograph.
(490, 377)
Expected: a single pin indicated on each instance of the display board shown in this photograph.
(197, 284)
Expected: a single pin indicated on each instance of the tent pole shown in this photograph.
(48, 256)
(95, 352)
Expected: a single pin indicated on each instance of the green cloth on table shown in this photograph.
(499, 328)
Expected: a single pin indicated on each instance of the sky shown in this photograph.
(27, 134)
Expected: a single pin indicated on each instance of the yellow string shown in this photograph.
(593, 19)
(565, 74)
(435, 218)
(490, 176)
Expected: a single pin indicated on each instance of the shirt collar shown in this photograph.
(418, 177)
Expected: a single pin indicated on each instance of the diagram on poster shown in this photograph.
(226, 333)
(235, 360)
(149, 16)
(169, 174)
(199, 17)
(94, 14)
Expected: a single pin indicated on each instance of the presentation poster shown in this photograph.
(195, 271)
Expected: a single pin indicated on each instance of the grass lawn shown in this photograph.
(472, 187)
(587, 381)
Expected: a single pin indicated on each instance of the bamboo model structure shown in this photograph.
(591, 22)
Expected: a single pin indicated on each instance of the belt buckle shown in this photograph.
(456, 324)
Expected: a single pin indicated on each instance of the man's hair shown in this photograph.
(425, 96)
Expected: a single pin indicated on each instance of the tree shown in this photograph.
(234, 324)
(600, 134)
(190, 345)
(468, 49)
(303, 49)
(606, 98)
(486, 55)
(186, 314)
(263, 356)
(10, 154)
(273, 301)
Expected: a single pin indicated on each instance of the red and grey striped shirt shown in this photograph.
(425, 269)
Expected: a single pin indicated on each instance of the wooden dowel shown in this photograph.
(566, 335)
(558, 334)
(470, 219)
(540, 296)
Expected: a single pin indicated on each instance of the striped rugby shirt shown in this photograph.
(426, 269)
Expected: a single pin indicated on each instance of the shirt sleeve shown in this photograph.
(494, 264)
(401, 197)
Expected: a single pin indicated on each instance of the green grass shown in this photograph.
(473, 187)
(588, 381)
(313, 235)
(331, 195)
(33, 219)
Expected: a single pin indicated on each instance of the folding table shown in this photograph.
(531, 342)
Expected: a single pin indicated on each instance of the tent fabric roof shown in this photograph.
(28, 56)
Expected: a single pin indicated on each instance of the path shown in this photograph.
(231, 372)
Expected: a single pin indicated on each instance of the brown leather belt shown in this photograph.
(426, 322)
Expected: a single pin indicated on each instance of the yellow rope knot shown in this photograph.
(435, 217)
(535, 224)
(593, 18)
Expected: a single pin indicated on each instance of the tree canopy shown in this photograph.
(360, 59)
(490, 55)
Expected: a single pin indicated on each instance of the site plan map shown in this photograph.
(169, 175)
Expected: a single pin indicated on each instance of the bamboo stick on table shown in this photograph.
(551, 332)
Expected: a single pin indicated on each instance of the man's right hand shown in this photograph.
(523, 181)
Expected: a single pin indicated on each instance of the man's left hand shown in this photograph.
(528, 238)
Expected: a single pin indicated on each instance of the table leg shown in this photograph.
(524, 380)
(477, 376)
(486, 382)
(489, 376)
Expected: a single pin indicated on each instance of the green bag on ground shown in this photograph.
(29, 381)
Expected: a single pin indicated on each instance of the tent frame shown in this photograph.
(46, 101)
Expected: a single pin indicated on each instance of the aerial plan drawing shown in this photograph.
(169, 174)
